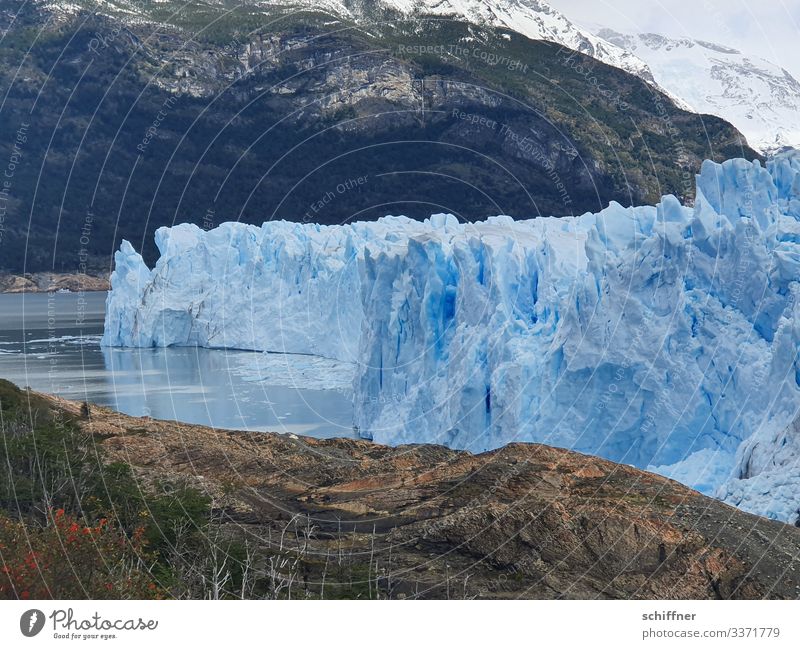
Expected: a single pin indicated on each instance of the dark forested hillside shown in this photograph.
(115, 126)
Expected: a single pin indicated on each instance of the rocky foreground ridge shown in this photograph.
(525, 521)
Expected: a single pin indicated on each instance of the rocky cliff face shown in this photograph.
(423, 521)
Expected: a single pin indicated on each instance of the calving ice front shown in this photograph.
(661, 336)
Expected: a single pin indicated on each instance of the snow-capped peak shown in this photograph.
(535, 19)
(532, 18)
(759, 98)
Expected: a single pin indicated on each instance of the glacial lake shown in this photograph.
(51, 343)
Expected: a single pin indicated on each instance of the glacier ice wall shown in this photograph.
(663, 336)
(285, 287)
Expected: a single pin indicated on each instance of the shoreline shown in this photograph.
(46, 282)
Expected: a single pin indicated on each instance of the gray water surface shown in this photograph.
(51, 343)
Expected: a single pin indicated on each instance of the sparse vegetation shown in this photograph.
(75, 525)
(167, 510)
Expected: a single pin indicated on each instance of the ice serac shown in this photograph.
(129, 280)
(662, 336)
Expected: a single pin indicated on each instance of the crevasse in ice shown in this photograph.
(660, 336)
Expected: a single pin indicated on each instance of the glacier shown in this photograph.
(283, 287)
(662, 336)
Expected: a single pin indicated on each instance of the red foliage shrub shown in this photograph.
(68, 558)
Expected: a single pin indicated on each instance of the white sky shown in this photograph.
(766, 28)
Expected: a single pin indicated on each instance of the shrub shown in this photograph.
(68, 558)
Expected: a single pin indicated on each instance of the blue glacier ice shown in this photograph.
(662, 336)
(281, 287)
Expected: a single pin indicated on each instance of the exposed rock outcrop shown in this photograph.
(46, 282)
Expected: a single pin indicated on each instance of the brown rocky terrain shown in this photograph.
(525, 521)
(46, 282)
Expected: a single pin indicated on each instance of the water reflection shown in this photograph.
(51, 343)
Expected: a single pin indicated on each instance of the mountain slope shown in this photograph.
(217, 113)
(761, 99)
(758, 97)
(534, 19)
